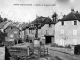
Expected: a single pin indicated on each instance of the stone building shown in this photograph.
(67, 30)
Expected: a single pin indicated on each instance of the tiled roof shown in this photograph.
(23, 25)
(41, 21)
(12, 27)
(69, 17)
(7, 24)
(2, 24)
(48, 21)
(78, 16)
(27, 26)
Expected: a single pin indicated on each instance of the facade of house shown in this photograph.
(12, 33)
(47, 31)
(67, 30)
(28, 35)
(11, 30)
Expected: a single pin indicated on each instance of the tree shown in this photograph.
(2, 36)
(1, 19)
(54, 16)
(5, 19)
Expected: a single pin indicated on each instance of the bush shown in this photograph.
(68, 46)
(20, 41)
(61, 46)
(2, 36)
(54, 45)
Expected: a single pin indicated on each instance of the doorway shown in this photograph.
(48, 39)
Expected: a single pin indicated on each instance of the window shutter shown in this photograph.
(62, 31)
(75, 32)
(72, 22)
(62, 42)
(74, 41)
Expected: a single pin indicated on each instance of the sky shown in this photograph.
(27, 10)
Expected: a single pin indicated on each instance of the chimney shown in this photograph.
(77, 12)
(72, 10)
(64, 15)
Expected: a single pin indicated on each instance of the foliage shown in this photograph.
(2, 36)
(54, 45)
(2, 20)
(5, 19)
(20, 41)
(55, 16)
(68, 46)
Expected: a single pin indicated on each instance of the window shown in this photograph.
(2, 30)
(62, 31)
(62, 22)
(11, 40)
(49, 25)
(74, 41)
(31, 31)
(75, 22)
(62, 42)
(53, 32)
(75, 32)
(11, 36)
(11, 27)
(15, 32)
